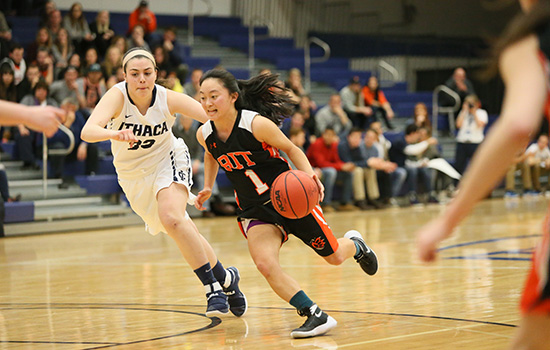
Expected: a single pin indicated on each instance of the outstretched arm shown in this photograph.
(186, 105)
(109, 106)
(43, 119)
(521, 116)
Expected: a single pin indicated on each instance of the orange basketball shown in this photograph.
(294, 194)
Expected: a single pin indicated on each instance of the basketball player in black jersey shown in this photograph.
(243, 138)
(523, 54)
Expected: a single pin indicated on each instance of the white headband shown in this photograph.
(138, 52)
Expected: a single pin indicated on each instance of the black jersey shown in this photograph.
(249, 164)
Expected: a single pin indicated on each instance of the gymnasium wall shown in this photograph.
(454, 18)
(220, 8)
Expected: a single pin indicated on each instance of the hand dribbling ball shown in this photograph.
(294, 194)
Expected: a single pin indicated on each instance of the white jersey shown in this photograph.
(153, 130)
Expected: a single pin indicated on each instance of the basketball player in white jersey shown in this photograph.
(153, 168)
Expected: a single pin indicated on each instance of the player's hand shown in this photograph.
(429, 237)
(45, 119)
(202, 197)
(320, 187)
(125, 135)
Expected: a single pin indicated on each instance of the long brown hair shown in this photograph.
(519, 28)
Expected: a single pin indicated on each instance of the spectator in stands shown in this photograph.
(17, 62)
(91, 86)
(54, 23)
(353, 102)
(164, 66)
(120, 42)
(526, 179)
(45, 64)
(471, 122)
(383, 170)
(47, 9)
(102, 32)
(76, 62)
(186, 129)
(8, 90)
(113, 60)
(294, 83)
(117, 78)
(404, 152)
(351, 150)
(25, 138)
(538, 160)
(459, 84)
(144, 17)
(375, 98)
(32, 76)
(297, 136)
(62, 49)
(421, 118)
(91, 57)
(333, 115)
(77, 26)
(174, 51)
(382, 144)
(43, 39)
(192, 87)
(137, 38)
(305, 107)
(384, 179)
(82, 151)
(61, 89)
(323, 154)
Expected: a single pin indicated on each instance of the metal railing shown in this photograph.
(308, 59)
(383, 65)
(56, 152)
(254, 21)
(191, 19)
(450, 111)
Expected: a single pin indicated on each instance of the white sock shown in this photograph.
(211, 288)
(228, 279)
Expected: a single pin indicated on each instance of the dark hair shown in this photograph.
(355, 129)
(41, 84)
(410, 129)
(15, 46)
(520, 27)
(260, 93)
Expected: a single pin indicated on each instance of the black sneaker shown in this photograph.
(217, 300)
(235, 298)
(317, 323)
(366, 258)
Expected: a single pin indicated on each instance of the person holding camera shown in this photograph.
(470, 124)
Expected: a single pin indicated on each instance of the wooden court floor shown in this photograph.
(124, 289)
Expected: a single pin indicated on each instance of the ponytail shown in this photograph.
(261, 94)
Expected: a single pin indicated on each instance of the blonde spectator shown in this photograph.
(78, 28)
(62, 49)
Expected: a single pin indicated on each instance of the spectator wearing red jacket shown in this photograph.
(323, 154)
(144, 17)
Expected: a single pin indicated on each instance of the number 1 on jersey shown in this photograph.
(260, 186)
